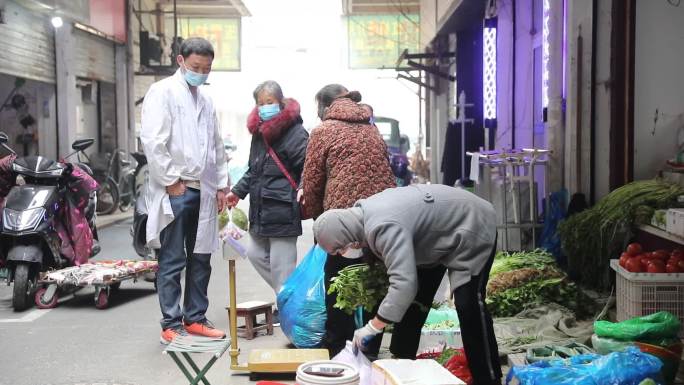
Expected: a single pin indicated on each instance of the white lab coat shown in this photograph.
(181, 140)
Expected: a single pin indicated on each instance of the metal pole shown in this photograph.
(463, 150)
(420, 113)
(175, 22)
(232, 315)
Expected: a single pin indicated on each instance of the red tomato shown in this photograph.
(672, 268)
(656, 266)
(645, 260)
(680, 264)
(623, 259)
(675, 258)
(660, 254)
(634, 265)
(678, 253)
(634, 249)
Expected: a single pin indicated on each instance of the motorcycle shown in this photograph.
(31, 215)
(139, 231)
(141, 171)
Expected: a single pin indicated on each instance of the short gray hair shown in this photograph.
(271, 87)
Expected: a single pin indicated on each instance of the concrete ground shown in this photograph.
(76, 343)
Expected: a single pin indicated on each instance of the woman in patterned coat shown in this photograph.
(346, 160)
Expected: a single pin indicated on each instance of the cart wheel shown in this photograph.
(115, 286)
(102, 300)
(45, 303)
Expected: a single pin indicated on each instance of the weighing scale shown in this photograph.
(260, 361)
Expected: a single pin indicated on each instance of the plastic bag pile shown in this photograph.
(630, 367)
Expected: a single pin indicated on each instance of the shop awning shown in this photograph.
(385, 7)
(209, 8)
(462, 15)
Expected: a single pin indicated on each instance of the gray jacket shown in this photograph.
(426, 225)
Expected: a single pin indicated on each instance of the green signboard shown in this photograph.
(224, 35)
(376, 41)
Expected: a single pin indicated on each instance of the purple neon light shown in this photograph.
(489, 72)
(545, 53)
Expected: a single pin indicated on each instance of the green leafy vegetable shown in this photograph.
(359, 285)
(446, 355)
(504, 261)
(560, 290)
(526, 279)
(594, 236)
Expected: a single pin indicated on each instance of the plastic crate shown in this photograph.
(640, 294)
(431, 339)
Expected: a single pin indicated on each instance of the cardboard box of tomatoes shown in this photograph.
(636, 260)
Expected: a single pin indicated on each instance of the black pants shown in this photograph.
(340, 326)
(477, 330)
(406, 334)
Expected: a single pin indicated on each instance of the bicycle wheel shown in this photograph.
(126, 195)
(107, 197)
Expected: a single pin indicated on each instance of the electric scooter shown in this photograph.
(28, 237)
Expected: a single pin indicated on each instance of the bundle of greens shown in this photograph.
(359, 285)
(594, 236)
(537, 292)
(536, 259)
(524, 280)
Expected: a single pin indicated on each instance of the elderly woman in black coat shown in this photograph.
(276, 160)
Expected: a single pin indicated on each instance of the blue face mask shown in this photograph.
(193, 78)
(268, 111)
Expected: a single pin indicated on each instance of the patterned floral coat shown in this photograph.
(346, 159)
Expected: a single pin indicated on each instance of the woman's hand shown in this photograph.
(232, 200)
(221, 200)
(300, 196)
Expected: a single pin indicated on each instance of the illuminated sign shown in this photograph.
(376, 41)
(224, 35)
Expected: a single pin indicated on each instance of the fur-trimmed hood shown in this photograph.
(274, 129)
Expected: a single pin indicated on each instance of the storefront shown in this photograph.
(66, 56)
(27, 80)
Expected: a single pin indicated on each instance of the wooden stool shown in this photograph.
(249, 311)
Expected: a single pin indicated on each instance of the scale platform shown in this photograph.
(282, 360)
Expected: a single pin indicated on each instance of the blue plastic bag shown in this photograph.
(301, 301)
(629, 367)
(550, 239)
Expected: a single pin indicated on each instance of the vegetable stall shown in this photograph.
(529, 288)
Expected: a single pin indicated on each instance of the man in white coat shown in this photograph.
(188, 185)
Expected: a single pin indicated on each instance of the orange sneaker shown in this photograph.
(167, 335)
(205, 329)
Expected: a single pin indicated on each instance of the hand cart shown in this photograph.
(104, 276)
